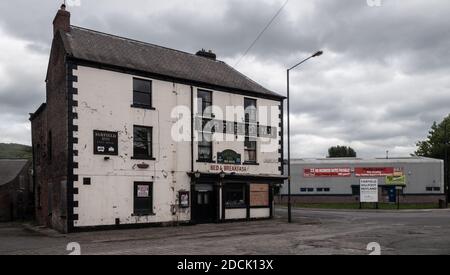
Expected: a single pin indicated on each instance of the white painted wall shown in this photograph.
(104, 100)
(257, 213)
(104, 103)
(268, 161)
(236, 214)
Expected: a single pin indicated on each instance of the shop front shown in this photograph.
(230, 197)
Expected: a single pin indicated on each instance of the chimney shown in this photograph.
(207, 54)
(62, 20)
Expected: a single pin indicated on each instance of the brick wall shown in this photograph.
(51, 173)
(5, 201)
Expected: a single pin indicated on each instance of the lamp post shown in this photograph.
(446, 182)
(319, 53)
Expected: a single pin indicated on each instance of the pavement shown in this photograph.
(313, 231)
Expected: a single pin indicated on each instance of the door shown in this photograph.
(392, 194)
(204, 204)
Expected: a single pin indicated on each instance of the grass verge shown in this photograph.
(384, 206)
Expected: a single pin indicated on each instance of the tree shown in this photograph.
(341, 152)
(434, 145)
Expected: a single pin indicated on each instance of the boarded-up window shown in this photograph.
(259, 195)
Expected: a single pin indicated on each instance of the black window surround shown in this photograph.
(206, 98)
(142, 94)
(143, 199)
(235, 196)
(205, 148)
(250, 107)
(142, 143)
(250, 144)
(250, 155)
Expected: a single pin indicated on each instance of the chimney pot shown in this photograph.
(207, 54)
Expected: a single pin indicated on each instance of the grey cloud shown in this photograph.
(379, 86)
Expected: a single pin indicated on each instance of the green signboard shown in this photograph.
(228, 157)
(396, 180)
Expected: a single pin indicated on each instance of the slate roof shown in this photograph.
(126, 53)
(10, 169)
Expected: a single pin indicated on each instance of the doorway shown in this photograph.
(204, 204)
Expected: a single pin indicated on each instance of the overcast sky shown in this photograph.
(383, 80)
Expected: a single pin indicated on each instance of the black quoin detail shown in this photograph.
(71, 178)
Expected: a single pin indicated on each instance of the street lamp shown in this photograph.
(197, 174)
(319, 53)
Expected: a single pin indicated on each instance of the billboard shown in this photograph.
(327, 172)
(368, 190)
(374, 171)
(396, 180)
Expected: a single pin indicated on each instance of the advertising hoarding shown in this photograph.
(327, 172)
(368, 190)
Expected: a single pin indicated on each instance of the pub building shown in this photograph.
(113, 145)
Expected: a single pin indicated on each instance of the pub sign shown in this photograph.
(106, 143)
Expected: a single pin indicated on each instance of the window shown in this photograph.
(436, 189)
(143, 198)
(250, 131)
(326, 189)
(204, 99)
(310, 189)
(49, 147)
(319, 189)
(429, 189)
(303, 190)
(205, 152)
(356, 190)
(205, 147)
(250, 150)
(250, 110)
(86, 181)
(142, 143)
(235, 196)
(142, 93)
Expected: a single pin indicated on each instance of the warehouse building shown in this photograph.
(418, 179)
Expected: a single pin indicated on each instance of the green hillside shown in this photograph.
(15, 151)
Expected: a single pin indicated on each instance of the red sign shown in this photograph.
(228, 168)
(374, 172)
(327, 172)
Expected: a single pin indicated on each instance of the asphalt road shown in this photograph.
(315, 232)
